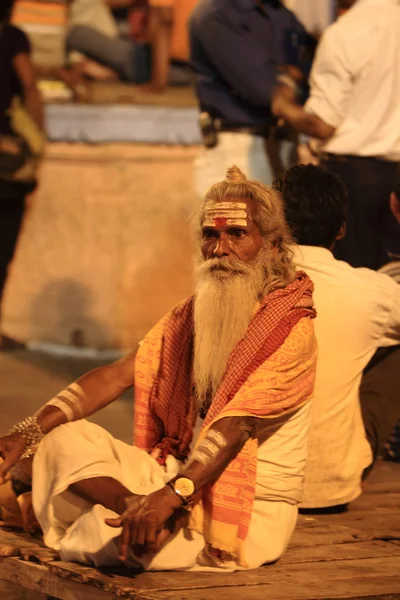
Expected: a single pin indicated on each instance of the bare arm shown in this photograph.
(223, 442)
(27, 77)
(87, 395)
(395, 206)
(284, 107)
(160, 27)
(99, 388)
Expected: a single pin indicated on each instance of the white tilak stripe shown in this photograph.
(63, 406)
(232, 222)
(225, 206)
(230, 214)
(210, 447)
(217, 437)
(202, 457)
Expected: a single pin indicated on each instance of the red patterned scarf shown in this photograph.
(165, 409)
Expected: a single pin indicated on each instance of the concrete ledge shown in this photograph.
(122, 123)
(106, 246)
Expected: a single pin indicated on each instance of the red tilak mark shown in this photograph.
(220, 221)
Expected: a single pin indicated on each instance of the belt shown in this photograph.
(260, 130)
(351, 157)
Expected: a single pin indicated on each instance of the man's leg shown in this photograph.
(130, 61)
(380, 400)
(102, 490)
(369, 183)
(11, 212)
(246, 151)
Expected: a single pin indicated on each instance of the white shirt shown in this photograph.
(355, 81)
(315, 15)
(358, 311)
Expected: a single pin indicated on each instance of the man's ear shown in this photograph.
(341, 233)
(395, 206)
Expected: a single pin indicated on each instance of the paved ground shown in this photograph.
(28, 380)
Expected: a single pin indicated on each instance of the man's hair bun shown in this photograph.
(235, 175)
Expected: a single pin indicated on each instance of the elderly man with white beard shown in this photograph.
(223, 385)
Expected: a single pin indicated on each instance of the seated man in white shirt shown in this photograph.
(354, 409)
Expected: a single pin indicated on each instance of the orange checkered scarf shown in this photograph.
(165, 409)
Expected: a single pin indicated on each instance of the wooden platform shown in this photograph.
(352, 555)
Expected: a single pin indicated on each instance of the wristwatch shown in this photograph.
(182, 487)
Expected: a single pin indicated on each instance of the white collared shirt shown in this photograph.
(355, 81)
(358, 311)
(315, 15)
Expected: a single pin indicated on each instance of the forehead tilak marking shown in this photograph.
(225, 213)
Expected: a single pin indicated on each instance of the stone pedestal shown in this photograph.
(106, 246)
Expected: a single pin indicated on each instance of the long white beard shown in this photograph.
(226, 294)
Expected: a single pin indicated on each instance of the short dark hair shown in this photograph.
(315, 203)
(396, 188)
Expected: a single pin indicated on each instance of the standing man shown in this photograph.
(354, 110)
(237, 48)
(18, 157)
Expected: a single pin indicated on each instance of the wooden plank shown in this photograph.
(362, 579)
(369, 501)
(11, 541)
(385, 477)
(337, 552)
(366, 524)
(37, 578)
(320, 531)
(370, 578)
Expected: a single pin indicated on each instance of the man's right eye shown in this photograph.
(209, 234)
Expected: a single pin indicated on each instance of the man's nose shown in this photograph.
(222, 247)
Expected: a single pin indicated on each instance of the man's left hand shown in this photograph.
(144, 519)
(282, 96)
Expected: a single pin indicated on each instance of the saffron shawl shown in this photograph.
(165, 409)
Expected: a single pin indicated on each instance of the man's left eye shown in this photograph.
(238, 233)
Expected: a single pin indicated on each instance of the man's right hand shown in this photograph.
(12, 447)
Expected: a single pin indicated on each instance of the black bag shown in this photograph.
(17, 165)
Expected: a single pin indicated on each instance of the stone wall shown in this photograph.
(106, 245)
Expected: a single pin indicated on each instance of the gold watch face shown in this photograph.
(184, 487)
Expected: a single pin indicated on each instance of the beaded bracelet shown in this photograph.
(30, 430)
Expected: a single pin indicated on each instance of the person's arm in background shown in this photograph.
(395, 206)
(331, 86)
(26, 75)
(160, 31)
(87, 395)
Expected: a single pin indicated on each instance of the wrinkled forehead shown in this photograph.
(234, 212)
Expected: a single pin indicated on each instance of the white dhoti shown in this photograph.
(259, 159)
(82, 450)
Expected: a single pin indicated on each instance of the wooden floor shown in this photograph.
(351, 555)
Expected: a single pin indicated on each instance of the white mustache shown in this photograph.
(224, 264)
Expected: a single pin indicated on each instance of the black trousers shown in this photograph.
(11, 213)
(372, 231)
(380, 398)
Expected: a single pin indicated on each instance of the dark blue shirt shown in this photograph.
(236, 47)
